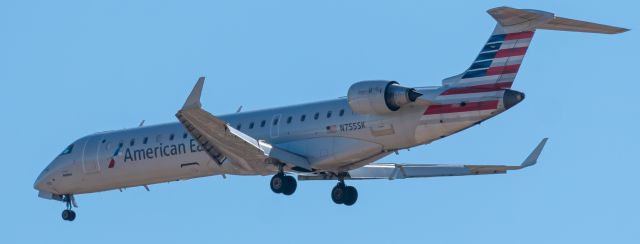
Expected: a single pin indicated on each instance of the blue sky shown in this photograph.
(69, 69)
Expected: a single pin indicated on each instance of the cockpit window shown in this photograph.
(67, 150)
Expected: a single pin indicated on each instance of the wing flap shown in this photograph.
(213, 135)
(392, 171)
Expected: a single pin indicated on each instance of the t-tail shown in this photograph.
(499, 60)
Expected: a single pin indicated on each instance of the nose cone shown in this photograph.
(40, 183)
(511, 98)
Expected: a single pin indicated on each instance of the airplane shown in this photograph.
(338, 140)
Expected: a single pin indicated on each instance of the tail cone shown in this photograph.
(511, 98)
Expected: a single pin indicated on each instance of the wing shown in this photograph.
(222, 141)
(393, 171)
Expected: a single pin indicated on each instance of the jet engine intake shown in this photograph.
(379, 96)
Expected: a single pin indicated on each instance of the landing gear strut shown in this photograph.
(343, 194)
(281, 183)
(68, 214)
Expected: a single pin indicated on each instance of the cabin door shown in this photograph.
(90, 157)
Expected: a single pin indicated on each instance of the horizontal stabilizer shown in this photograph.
(564, 24)
(513, 20)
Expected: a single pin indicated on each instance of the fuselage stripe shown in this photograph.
(461, 107)
(478, 88)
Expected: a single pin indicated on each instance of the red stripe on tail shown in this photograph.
(518, 51)
(498, 70)
(519, 35)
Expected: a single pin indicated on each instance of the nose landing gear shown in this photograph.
(68, 214)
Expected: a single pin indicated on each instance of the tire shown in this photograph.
(337, 194)
(351, 195)
(290, 185)
(277, 183)
(66, 214)
(72, 216)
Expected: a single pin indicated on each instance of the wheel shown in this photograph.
(337, 194)
(68, 215)
(290, 185)
(72, 216)
(351, 195)
(277, 183)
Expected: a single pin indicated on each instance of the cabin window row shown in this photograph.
(145, 140)
(303, 117)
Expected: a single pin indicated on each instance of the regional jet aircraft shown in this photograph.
(338, 140)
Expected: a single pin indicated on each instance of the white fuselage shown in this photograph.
(328, 133)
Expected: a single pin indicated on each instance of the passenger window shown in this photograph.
(184, 136)
(171, 137)
(67, 150)
(304, 116)
(316, 116)
(262, 123)
(144, 141)
(275, 121)
(329, 114)
(133, 141)
(341, 112)
(289, 120)
(251, 125)
(238, 126)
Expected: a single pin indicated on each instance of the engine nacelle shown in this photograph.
(379, 96)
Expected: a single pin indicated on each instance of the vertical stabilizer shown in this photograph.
(498, 62)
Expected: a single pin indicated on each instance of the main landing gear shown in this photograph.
(68, 214)
(285, 184)
(343, 194)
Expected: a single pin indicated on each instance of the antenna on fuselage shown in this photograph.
(239, 109)
(141, 123)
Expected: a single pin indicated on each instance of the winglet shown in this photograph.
(193, 101)
(533, 157)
